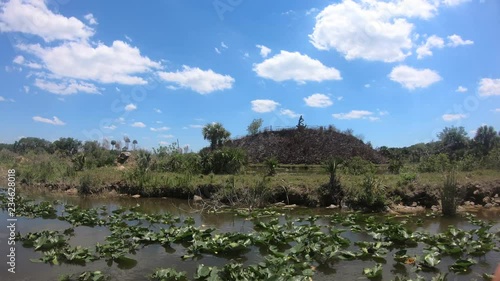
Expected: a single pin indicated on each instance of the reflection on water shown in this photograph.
(152, 257)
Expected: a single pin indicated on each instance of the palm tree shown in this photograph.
(134, 143)
(113, 143)
(485, 139)
(216, 134)
(127, 141)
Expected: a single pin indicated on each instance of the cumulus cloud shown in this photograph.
(130, 107)
(66, 87)
(54, 121)
(453, 117)
(355, 114)
(289, 113)
(33, 17)
(160, 129)
(138, 125)
(461, 89)
(370, 30)
(456, 40)
(263, 106)
(118, 63)
(432, 42)
(90, 19)
(200, 81)
(412, 78)
(295, 66)
(264, 51)
(22, 61)
(318, 100)
(489, 87)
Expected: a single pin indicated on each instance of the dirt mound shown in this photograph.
(307, 146)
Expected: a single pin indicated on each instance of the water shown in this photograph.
(152, 257)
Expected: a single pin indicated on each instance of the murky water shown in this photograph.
(152, 257)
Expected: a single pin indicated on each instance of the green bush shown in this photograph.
(226, 160)
(395, 166)
(406, 178)
(369, 196)
(271, 165)
(492, 161)
(434, 163)
(359, 166)
(331, 193)
(88, 185)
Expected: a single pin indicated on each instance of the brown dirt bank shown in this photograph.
(485, 193)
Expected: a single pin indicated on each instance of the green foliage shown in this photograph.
(485, 140)
(395, 165)
(88, 184)
(168, 274)
(78, 161)
(227, 160)
(96, 156)
(358, 166)
(67, 146)
(271, 164)
(406, 178)
(7, 156)
(300, 125)
(434, 163)
(332, 193)
(449, 194)
(369, 196)
(492, 160)
(36, 145)
(216, 134)
(254, 127)
(454, 140)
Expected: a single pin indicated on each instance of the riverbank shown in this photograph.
(476, 188)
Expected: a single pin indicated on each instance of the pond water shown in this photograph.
(150, 257)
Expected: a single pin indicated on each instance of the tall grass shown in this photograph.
(449, 194)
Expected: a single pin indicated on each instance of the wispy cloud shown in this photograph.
(54, 121)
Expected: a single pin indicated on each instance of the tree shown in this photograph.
(113, 144)
(127, 142)
(134, 144)
(254, 127)
(37, 145)
(301, 125)
(216, 134)
(454, 140)
(485, 139)
(68, 146)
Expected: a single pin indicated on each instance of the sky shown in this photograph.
(396, 72)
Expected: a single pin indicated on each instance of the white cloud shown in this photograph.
(53, 121)
(432, 42)
(453, 117)
(355, 114)
(130, 107)
(412, 78)
(454, 2)
(200, 81)
(138, 125)
(160, 129)
(496, 110)
(318, 100)
(263, 106)
(163, 143)
(461, 89)
(111, 127)
(223, 45)
(196, 126)
(26, 89)
(456, 40)
(367, 85)
(2, 98)
(489, 87)
(340, 98)
(264, 51)
(295, 66)
(121, 120)
(157, 110)
(370, 30)
(311, 11)
(66, 87)
(289, 113)
(22, 61)
(118, 63)
(166, 136)
(33, 17)
(217, 50)
(383, 112)
(90, 19)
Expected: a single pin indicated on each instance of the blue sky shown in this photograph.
(396, 72)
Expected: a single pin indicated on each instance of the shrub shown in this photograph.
(449, 195)
(406, 178)
(88, 185)
(271, 164)
(492, 161)
(227, 160)
(434, 163)
(359, 166)
(369, 196)
(332, 193)
(395, 166)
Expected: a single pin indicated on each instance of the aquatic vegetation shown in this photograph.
(290, 248)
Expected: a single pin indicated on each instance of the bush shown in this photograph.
(88, 185)
(369, 196)
(223, 161)
(406, 178)
(271, 165)
(434, 163)
(492, 161)
(331, 193)
(359, 166)
(449, 195)
(395, 166)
